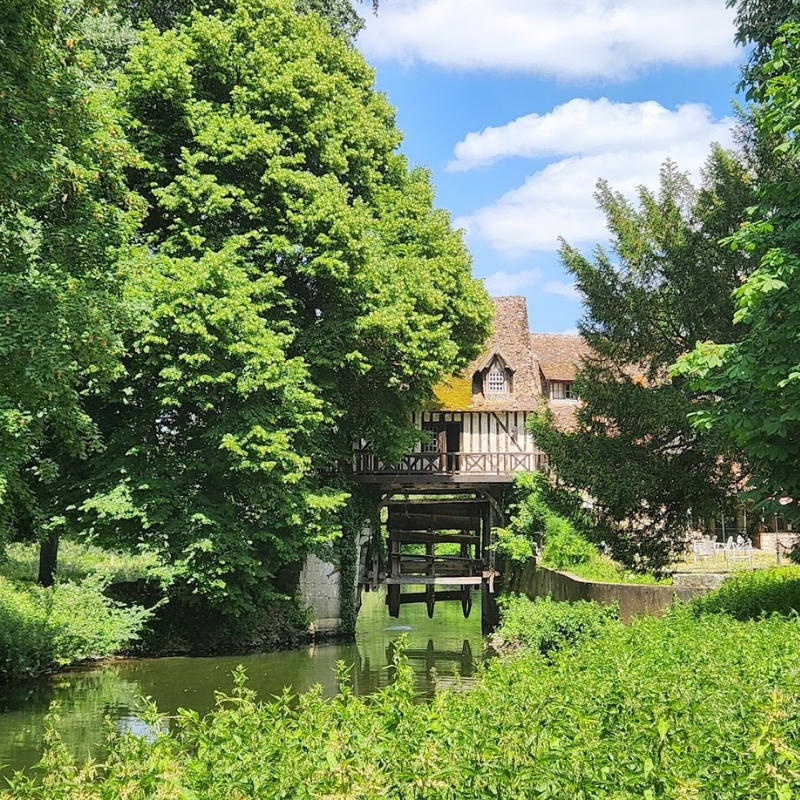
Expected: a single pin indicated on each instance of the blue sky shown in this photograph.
(518, 107)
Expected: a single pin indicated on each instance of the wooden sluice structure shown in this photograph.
(435, 548)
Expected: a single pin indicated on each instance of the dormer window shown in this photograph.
(494, 378)
(496, 381)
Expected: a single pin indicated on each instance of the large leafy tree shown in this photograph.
(757, 24)
(752, 377)
(164, 14)
(300, 294)
(666, 284)
(66, 215)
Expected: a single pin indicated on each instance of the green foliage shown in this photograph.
(40, 628)
(564, 547)
(542, 513)
(299, 293)
(360, 508)
(666, 285)
(703, 707)
(534, 503)
(66, 219)
(604, 569)
(545, 625)
(750, 595)
(751, 379)
(340, 15)
(757, 26)
(515, 546)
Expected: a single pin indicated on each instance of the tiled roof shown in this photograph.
(564, 414)
(558, 354)
(511, 339)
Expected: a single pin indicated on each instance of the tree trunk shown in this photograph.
(48, 560)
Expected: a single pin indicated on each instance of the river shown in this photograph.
(89, 695)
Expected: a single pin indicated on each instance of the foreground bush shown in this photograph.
(681, 707)
(545, 625)
(40, 627)
(750, 595)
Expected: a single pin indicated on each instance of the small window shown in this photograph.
(496, 382)
(433, 445)
(561, 390)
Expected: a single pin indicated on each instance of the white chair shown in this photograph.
(703, 548)
(740, 550)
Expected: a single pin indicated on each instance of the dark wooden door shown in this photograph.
(453, 437)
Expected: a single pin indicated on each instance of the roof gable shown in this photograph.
(511, 341)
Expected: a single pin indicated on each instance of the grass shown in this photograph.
(604, 569)
(77, 561)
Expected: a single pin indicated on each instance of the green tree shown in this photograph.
(164, 14)
(633, 451)
(300, 294)
(66, 216)
(751, 377)
(757, 24)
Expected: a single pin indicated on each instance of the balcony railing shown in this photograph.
(365, 463)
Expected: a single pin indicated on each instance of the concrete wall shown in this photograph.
(633, 598)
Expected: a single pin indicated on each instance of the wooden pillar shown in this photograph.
(490, 613)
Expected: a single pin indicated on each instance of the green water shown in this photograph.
(88, 697)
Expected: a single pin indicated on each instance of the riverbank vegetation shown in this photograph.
(695, 704)
(45, 628)
(554, 522)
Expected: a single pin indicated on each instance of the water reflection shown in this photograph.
(92, 698)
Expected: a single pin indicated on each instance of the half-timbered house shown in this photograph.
(476, 427)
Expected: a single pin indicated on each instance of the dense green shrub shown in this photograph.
(69, 622)
(750, 595)
(702, 707)
(564, 547)
(545, 625)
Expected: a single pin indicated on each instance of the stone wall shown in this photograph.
(633, 598)
(320, 588)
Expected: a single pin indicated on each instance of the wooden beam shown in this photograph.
(432, 522)
(419, 597)
(423, 537)
(424, 580)
(450, 508)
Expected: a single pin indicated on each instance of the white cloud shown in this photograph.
(567, 290)
(570, 39)
(558, 200)
(587, 127)
(502, 284)
(570, 332)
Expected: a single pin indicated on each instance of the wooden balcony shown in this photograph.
(445, 467)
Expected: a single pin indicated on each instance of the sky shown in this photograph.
(518, 107)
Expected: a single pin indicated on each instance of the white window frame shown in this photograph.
(500, 381)
(561, 390)
(433, 445)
